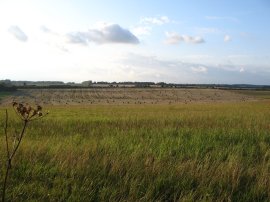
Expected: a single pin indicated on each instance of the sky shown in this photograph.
(174, 41)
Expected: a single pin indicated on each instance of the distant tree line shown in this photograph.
(6, 88)
(12, 85)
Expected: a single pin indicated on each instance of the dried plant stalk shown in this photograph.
(27, 114)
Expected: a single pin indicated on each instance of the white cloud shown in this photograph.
(233, 19)
(108, 33)
(207, 30)
(141, 30)
(175, 38)
(77, 38)
(227, 38)
(155, 20)
(242, 69)
(52, 39)
(198, 57)
(199, 69)
(18, 33)
(45, 29)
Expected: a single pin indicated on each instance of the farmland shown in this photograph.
(142, 145)
(118, 96)
(259, 94)
(4, 94)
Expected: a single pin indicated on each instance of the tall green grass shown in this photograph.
(194, 152)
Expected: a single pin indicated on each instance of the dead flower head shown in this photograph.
(27, 112)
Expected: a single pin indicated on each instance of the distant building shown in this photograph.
(87, 83)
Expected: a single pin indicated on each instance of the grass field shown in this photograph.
(264, 94)
(194, 152)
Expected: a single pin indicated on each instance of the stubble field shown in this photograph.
(187, 145)
(119, 96)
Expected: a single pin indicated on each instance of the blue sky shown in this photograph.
(175, 41)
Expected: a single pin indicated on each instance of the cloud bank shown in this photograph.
(151, 68)
(199, 69)
(108, 33)
(18, 33)
(175, 38)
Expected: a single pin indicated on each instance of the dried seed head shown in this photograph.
(27, 112)
(29, 109)
(24, 110)
(34, 112)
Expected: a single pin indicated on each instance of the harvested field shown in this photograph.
(125, 96)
